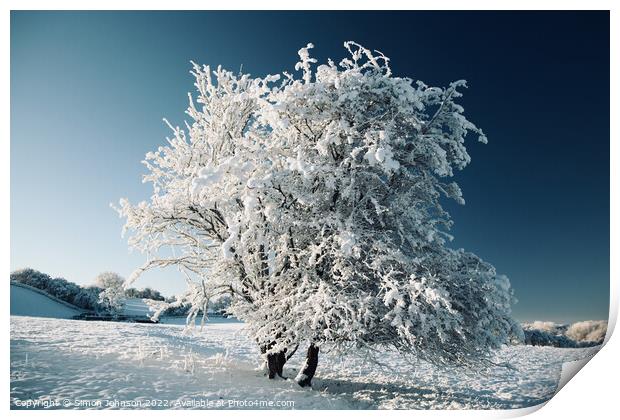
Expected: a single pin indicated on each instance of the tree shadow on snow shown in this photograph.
(373, 395)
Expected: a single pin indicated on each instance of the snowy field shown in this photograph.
(77, 361)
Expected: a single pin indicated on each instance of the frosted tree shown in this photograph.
(113, 293)
(315, 202)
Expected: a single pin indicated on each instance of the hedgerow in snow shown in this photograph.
(315, 202)
(82, 297)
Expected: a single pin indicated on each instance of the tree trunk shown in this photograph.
(281, 362)
(305, 375)
(275, 364)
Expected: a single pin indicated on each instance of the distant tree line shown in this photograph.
(82, 297)
(218, 304)
(85, 297)
(579, 334)
(146, 293)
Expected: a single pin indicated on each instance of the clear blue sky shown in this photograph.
(89, 90)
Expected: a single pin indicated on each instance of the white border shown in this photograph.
(592, 395)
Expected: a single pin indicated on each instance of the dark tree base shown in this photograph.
(307, 372)
(275, 364)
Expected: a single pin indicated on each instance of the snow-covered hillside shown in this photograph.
(54, 359)
(135, 307)
(29, 302)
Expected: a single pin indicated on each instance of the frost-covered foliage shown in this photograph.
(218, 305)
(146, 293)
(590, 331)
(579, 334)
(113, 290)
(546, 326)
(315, 202)
(108, 279)
(82, 297)
(546, 337)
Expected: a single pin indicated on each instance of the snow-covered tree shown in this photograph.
(315, 202)
(588, 331)
(113, 293)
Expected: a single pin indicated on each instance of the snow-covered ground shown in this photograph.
(70, 362)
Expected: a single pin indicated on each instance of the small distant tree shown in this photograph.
(113, 291)
(316, 203)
